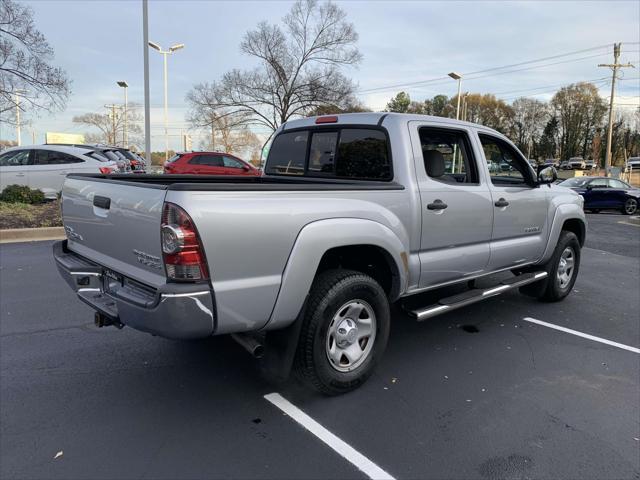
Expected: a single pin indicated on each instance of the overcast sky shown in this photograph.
(100, 42)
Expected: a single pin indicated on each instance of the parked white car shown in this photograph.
(45, 166)
(633, 163)
(577, 163)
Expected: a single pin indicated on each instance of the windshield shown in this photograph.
(575, 182)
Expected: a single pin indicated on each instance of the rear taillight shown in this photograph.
(182, 250)
(106, 170)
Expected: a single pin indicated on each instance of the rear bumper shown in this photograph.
(173, 310)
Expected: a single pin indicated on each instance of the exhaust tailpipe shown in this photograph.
(250, 344)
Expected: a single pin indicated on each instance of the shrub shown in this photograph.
(21, 194)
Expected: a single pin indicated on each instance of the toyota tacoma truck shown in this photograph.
(353, 213)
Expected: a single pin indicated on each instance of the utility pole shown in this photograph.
(213, 137)
(18, 136)
(112, 139)
(18, 93)
(614, 67)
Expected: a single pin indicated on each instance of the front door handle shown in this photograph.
(501, 203)
(437, 205)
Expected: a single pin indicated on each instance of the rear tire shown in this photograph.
(562, 269)
(344, 331)
(630, 206)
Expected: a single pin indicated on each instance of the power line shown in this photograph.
(438, 79)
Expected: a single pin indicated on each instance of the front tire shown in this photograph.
(344, 332)
(562, 267)
(630, 206)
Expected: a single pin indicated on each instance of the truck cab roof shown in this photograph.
(377, 118)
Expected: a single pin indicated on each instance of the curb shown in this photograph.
(13, 235)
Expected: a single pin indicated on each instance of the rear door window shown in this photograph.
(51, 157)
(447, 156)
(15, 159)
(207, 160)
(599, 183)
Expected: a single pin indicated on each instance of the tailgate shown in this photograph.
(116, 225)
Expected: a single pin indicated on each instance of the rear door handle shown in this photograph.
(501, 203)
(19, 174)
(437, 205)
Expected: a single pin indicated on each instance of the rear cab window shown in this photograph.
(359, 153)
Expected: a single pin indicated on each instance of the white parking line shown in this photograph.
(629, 223)
(343, 449)
(583, 335)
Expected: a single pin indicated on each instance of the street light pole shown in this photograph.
(166, 116)
(164, 53)
(464, 106)
(125, 132)
(458, 77)
(147, 104)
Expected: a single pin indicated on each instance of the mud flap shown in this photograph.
(280, 350)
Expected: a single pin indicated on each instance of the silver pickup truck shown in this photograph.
(353, 213)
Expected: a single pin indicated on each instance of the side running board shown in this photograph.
(476, 295)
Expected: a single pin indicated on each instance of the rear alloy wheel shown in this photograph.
(630, 206)
(344, 331)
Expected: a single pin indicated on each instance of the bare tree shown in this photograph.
(110, 125)
(529, 119)
(25, 71)
(205, 113)
(300, 67)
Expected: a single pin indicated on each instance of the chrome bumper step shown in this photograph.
(474, 295)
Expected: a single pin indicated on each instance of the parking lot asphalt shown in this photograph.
(477, 393)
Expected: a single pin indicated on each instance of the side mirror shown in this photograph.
(547, 176)
(589, 187)
(246, 168)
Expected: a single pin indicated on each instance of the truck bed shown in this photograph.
(237, 183)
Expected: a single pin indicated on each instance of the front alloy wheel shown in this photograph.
(630, 206)
(564, 272)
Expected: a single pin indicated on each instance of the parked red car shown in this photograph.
(209, 163)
